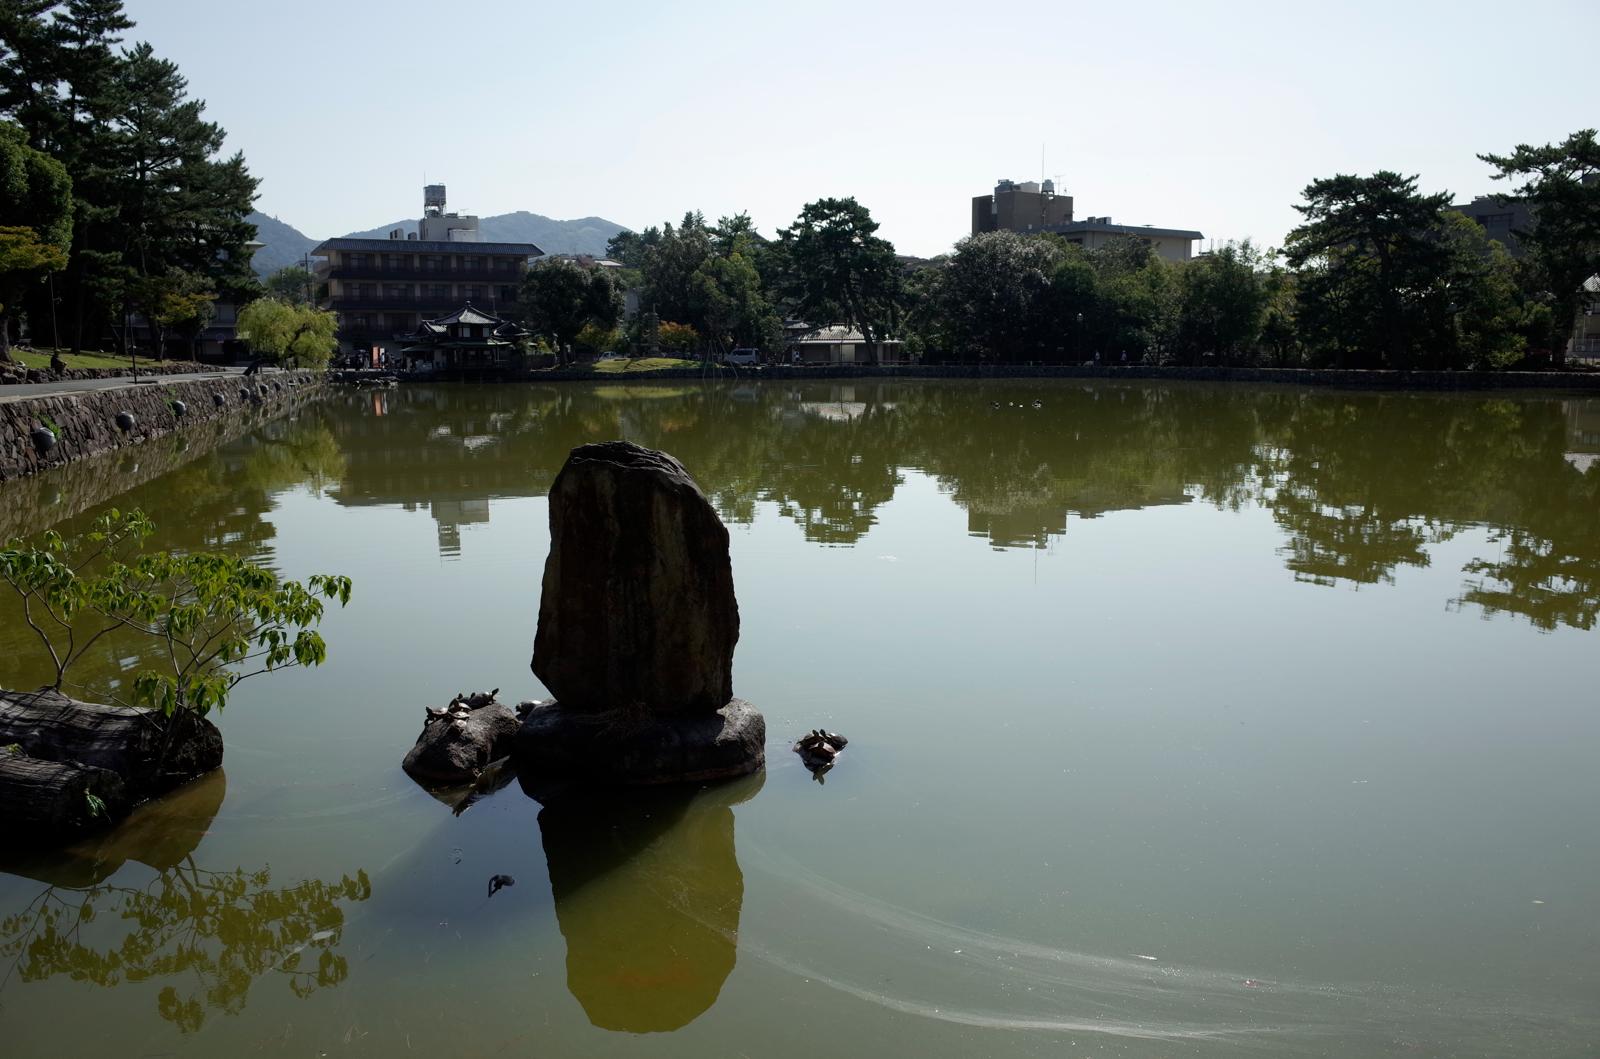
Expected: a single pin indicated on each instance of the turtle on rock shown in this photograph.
(818, 749)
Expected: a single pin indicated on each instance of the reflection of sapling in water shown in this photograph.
(222, 930)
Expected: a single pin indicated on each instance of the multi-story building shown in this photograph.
(1023, 207)
(382, 289)
(1501, 220)
(1032, 208)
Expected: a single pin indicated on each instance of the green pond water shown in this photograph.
(1183, 721)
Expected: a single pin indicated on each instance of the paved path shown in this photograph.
(20, 391)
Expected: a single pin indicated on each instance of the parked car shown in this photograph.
(743, 356)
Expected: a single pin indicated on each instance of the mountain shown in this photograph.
(586, 235)
(285, 245)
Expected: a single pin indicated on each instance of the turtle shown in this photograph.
(818, 748)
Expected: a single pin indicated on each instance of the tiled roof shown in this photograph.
(419, 246)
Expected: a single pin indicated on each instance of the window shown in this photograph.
(358, 261)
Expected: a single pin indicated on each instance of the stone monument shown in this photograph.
(637, 625)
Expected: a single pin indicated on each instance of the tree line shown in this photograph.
(711, 288)
(1376, 275)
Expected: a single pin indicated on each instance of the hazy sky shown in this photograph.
(1182, 114)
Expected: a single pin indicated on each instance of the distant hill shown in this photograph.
(586, 235)
(284, 244)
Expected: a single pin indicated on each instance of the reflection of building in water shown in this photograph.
(446, 451)
(1583, 433)
(451, 515)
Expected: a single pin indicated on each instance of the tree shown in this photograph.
(151, 194)
(996, 295)
(292, 284)
(35, 221)
(1136, 301)
(727, 297)
(1222, 299)
(219, 619)
(559, 299)
(1561, 185)
(677, 338)
(1371, 255)
(668, 266)
(295, 334)
(837, 270)
(175, 299)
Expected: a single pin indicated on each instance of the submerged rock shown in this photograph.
(619, 747)
(460, 741)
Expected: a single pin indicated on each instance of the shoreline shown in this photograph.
(85, 421)
(1343, 378)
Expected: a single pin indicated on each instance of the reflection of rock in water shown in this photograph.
(647, 893)
(159, 833)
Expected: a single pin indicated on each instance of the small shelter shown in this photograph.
(837, 344)
(469, 341)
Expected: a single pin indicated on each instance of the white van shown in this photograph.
(743, 356)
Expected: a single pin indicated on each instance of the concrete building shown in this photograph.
(1502, 222)
(1033, 208)
(383, 289)
(1023, 207)
(1173, 244)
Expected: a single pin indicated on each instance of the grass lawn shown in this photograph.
(83, 360)
(617, 367)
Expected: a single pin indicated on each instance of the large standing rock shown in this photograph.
(637, 625)
(638, 607)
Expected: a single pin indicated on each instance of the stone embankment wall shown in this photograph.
(1335, 377)
(85, 424)
(18, 374)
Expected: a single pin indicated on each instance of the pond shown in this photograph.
(1183, 720)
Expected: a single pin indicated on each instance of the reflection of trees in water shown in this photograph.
(1361, 484)
(217, 502)
(211, 933)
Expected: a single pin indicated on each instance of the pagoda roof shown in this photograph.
(464, 315)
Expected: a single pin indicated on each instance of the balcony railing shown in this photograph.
(427, 304)
(419, 272)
